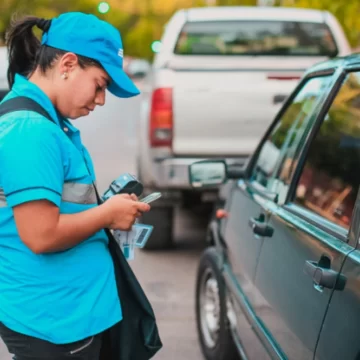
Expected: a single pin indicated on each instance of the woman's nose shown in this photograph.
(100, 99)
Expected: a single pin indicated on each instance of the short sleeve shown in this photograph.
(31, 161)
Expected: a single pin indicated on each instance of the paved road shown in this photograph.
(167, 276)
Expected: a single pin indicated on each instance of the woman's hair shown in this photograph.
(26, 52)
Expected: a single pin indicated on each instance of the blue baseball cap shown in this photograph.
(87, 35)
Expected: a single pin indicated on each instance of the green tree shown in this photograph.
(41, 8)
(142, 21)
(347, 12)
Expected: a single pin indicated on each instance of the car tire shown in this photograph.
(161, 218)
(212, 323)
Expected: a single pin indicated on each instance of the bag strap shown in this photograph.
(97, 195)
(21, 103)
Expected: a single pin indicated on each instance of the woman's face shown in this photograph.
(80, 90)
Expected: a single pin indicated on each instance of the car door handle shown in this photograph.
(326, 278)
(261, 228)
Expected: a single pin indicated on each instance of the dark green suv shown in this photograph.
(281, 277)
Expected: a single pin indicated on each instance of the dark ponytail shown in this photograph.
(26, 53)
(23, 46)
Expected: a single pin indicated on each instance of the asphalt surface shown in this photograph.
(168, 277)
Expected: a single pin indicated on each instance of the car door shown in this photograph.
(300, 265)
(246, 228)
(340, 335)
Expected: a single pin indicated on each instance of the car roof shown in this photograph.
(345, 62)
(254, 13)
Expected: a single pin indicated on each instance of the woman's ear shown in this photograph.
(68, 63)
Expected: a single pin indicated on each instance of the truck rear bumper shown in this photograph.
(173, 173)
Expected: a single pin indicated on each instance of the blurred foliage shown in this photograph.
(346, 11)
(142, 21)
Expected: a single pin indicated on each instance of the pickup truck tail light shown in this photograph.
(161, 118)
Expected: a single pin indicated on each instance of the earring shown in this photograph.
(64, 76)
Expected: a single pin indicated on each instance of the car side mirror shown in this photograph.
(207, 173)
(211, 173)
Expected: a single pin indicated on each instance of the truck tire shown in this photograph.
(211, 311)
(162, 219)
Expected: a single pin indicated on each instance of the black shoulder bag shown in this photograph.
(136, 337)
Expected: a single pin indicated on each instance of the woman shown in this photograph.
(57, 289)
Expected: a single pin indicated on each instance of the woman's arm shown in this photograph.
(43, 229)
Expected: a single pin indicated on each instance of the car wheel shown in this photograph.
(211, 311)
(161, 218)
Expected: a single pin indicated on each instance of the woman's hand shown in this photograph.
(123, 210)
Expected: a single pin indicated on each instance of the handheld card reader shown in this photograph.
(124, 184)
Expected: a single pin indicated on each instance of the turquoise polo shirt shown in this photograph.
(65, 296)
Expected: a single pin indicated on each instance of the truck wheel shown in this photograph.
(162, 220)
(211, 311)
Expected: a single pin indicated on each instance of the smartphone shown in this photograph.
(150, 198)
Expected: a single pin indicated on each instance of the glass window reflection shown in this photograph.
(274, 163)
(331, 176)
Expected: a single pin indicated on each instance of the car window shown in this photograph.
(274, 162)
(330, 178)
(256, 37)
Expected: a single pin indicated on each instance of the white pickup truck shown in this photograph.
(217, 82)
